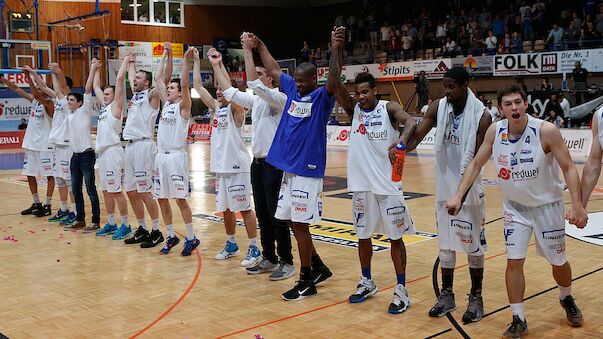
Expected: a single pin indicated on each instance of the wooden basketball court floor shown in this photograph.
(67, 284)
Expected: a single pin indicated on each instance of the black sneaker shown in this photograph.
(44, 211)
(475, 309)
(153, 240)
(574, 315)
(321, 274)
(517, 328)
(302, 290)
(139, 236)
(35, 207)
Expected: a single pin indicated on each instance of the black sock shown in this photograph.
(305, 274)
(447, 278)
(316, 261)
(477, 276)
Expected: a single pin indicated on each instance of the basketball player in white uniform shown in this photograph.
(592, 167)
(462, 121)
(378, 204)
(110, 153)
(231, 162)
(171, 163)
(526, 153)
(139, 158)
(266, 105)
(59, 137)
(38, 151)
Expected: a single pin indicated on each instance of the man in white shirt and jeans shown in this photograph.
(266, 111)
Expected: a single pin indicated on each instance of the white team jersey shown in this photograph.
(526, 175)
(80, 138)
(108, 129)
(369, 168)
(38, 128)
(228, 152)
(599, 115)
(140, 122)
(173, 129)
(59, 134)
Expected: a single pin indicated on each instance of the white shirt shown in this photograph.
(494, 112)
(173, 128)
(266, 111)
(451, 46)
(491, 42)
(228, 152)
(526, 174)
(140, 122)
(441, 31)
(565, 106)
(369, 168)
(38, 128)
(108, 129)
(386, 33)
(80, 125)
(59, 134)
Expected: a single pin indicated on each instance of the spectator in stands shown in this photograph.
(394, 47)
(23, 124)
(523, 9)
(305, 53)
(526, 25)
(498, 27)
(531, 111)
(580, 76)
(328, 52)
(516, 43)
(485, 19)
(386, 34)
(511, 19)
(441, 30)
(590, 37)
(599, 21)
(318, 57)
(553, 106)
(477, 40)
(349, 41)
(373, 26)
(491, 43)
(554, 118)
(422, 88)
(572, 36)
(505, 44)
(450, 48)
(464, 40)
(494, 112)
(546, 86)
(565, 105)
(425, 107)
(413, 32)
(407, 42)
(555, 38)
(352, 23)
(538, 18)
(576, 20)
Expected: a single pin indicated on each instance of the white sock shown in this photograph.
(124, 220)
(48, 201)
(143, 224)
(111, 219)
(63, 206)
(517, 310)
(253, 242)
(189, 232)
(155, 224)
(170, 230)
(36, 198)
(231, 238)
(564, 292)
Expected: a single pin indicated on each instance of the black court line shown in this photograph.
(439, 333)
(2, 336)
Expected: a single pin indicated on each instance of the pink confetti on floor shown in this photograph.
(11, 239)
(31, 231)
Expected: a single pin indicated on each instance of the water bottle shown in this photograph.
(400, 155)
(564, 84)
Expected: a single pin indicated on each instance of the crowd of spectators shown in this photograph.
(460, 27)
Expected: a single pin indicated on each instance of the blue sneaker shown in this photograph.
(230, 250)
(169, 243)
(60, 216)
(122, 233)
(189, 246)
(106, 230)
(253, 257)
(70, 219)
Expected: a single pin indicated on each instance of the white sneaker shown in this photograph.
(366, 288)
(401, 300)
(230, 250)
(253, 257)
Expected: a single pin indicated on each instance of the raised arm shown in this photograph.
(248, 44)
(592, 167)
(207, 99)
(13, 87)
(472, 171)
(42, 86)
(221, 76)
(427, 123)
(334, 84)
(553, 141)
(59, 83)
(38, 95)
(169, 66)
(158, 94)
(272, 67)
(94, 65)
(120, 89)
(132, 70)
(185, 103)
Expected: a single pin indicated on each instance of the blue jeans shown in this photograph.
(266, 183)
(82, 169)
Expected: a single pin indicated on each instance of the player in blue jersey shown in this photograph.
(300, 151)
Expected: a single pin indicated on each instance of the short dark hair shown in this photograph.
(111, 87)
(365, 77)
(148, 76)
(69, 82)
(78, 96)
(306, 68)
(458, 74)
(510, 89)
(177, 81)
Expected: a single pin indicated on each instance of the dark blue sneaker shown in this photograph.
(122, 233)
(169, 243)
(71, 218)
(189, 246)
(60, 216)
(106, 230)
